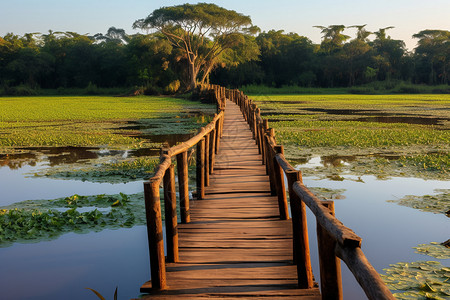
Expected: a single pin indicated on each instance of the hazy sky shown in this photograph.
(94, 16)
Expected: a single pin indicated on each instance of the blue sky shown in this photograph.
(94, 16)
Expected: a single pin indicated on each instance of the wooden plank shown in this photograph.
(235, 246)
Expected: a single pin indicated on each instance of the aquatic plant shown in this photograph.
(363, 125)
(82, 121)
(47, 219)
(439, 203)
(433, 249)
(418, 280)
(124, 171)
(100, 295)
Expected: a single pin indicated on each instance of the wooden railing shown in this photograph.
(207, 143)
(335, 241)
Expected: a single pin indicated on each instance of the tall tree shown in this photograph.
(202, 31)
(389, 54)
(333, 38)
(433, 54)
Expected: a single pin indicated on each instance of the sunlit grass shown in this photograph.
(82, 120)
(347, 124)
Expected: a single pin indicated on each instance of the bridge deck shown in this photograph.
(236, 246)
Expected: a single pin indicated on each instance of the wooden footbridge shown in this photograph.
(236, 238)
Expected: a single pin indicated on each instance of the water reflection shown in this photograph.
(371, 116)
(63, 268)
(407, 120)
(55, 156)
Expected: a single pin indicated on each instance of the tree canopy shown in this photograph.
(203, 32)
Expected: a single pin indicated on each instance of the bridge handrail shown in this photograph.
(335, 240)
(207, 141)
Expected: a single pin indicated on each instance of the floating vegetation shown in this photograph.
(87, 121)
(408, 126)
(327, 194)
(380, 162)
(439, 162)
(418, 280)
(439, 203)
(37, 220)
(434, 249)
(130, 170)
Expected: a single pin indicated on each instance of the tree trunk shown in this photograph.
(192, 76)
(193, 71)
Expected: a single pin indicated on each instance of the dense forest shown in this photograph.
(153, 63)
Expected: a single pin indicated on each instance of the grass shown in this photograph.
(358, 124)
(373, 88)
(82, 120)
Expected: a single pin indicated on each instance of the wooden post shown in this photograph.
(222, 120)
(300, 233)
(265, 126)
(170, 213)
(155, 234)
(183, 186)
(279, 184)
(257, 136)
(207, 157)
(270, 156)
(217, 136)
(330, 265)
(212, 151)
(201, 169)
(253, 124)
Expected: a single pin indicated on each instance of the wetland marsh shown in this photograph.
(71, 172)
(390, 154)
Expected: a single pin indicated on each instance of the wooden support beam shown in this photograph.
(170, 214)
(212, 151)
(302, 256)
(330, 265)
(183, 186)
(207, 159)
(155, 234)
(200, 167)
(280, 186)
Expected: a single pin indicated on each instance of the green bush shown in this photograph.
(20, 90)
(172, 88)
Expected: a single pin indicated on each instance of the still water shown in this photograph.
(63, 268)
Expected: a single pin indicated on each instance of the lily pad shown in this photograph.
(418, 280)
(124, 171)
(328, 194)
(37, 220)
(433, 249)
(439, 203)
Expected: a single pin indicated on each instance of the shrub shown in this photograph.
(172, 88)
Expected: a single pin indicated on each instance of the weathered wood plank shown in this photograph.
(235, 246)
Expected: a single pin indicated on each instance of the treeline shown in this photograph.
(339, 61)
(150, 63)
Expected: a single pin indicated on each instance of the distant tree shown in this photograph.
(381, 33)
(333, 38)
(149, 59)
(202, 31)
(115, 35)
(287, 59)
(362, 34)
(388, 55)
(433, 55)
